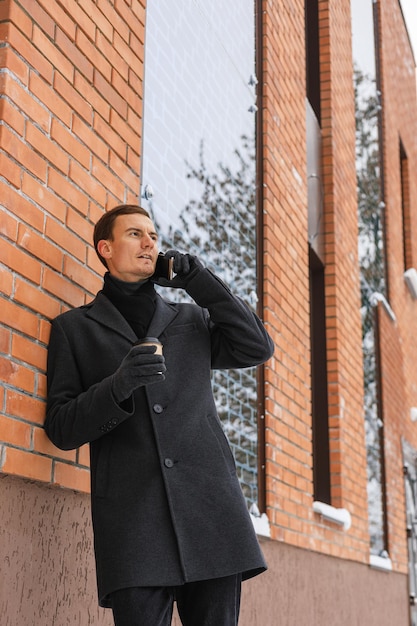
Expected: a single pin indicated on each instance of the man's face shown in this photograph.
(132, 252)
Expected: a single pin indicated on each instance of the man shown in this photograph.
(170, 521)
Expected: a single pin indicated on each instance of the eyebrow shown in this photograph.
(140, 230)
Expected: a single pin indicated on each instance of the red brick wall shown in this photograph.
(71, 107)
(288, 415)
(398, 340)
(287, 419)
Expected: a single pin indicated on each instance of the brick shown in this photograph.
(83, 455)
(38, 15)
(90, 138)
(64, 239)
(25, 407)
(109, 137)
(95, 54)
(138, 8)
(136, 85)
(112, 183)
(74, 55)
(28, 465)
(67, 191)
(17, 260)
(87, 183)
(49, 150)
(20, 19)
(69, 143)
(44, 331)
(23, 154)
(8, 226)
(122, 171)
(30, 54)
(79, 225)
(80, 274)
(11, 170)
(92, 95)
(42, 195)
(42, 444)
(120, 26)
(12, 117)
(75, 102)
(62, 288)
(107, 91)
(5, 340)
(133, 160)
(133, 15)
(33, 298)
(58, 60)
(14, 64)
(82, 19)
(40, 248)
(93, 261)
(41, 385)
(21, 207)
(16, 375)
(117, 56)
(51, 98)
(72, 477)
(136, 42)
(128, 133)
(103, 24)
(18, 318)
(14, 432)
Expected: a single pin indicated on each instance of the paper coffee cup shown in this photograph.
(150, 341)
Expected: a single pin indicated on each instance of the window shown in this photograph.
(318, 346)
(198, 168)
(405, 208)
(371, 246)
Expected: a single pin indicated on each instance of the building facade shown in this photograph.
(72, 137)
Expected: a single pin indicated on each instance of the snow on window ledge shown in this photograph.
(382, 562)
(260, 522)
(331, 514)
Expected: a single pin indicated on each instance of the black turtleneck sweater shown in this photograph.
(135, 301)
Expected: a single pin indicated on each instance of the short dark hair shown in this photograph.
(104, 227)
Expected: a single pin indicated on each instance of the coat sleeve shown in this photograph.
(238, 337)
(74, 415)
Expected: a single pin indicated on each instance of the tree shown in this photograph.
(372, 276)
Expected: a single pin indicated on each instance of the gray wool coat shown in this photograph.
(167, 507)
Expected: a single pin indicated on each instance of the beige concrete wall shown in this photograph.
(47, 575)
(47, 572)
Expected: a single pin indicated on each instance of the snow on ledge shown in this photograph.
(260, 522)
(331, 514)
(380, 562)
(379, 297)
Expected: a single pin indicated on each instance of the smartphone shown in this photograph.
(164, 267)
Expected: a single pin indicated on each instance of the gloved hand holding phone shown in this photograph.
(184, 268)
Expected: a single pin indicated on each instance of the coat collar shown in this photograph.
(106, 314)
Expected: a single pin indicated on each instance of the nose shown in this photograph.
(147, 241)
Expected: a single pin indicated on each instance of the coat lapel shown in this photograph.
(106, 314)
(163, 316)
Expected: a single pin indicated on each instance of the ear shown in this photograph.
(104, 248)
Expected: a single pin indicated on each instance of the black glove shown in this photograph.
(186, 266)
(139, 367)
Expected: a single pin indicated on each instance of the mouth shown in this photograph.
(145, 257)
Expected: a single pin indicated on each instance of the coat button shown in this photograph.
(169, 463)
(158, 408)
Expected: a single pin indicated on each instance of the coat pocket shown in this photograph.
(223, 444)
